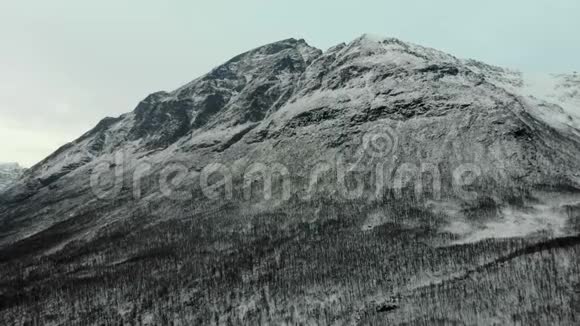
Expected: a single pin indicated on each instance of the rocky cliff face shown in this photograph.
(385, 112)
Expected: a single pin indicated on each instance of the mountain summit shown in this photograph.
(373, 158)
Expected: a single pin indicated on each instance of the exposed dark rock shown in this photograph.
(386, 308)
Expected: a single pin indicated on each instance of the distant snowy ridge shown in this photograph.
(9, 173)
(554, 98)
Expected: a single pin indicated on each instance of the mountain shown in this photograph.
(402, 185)
(9, 173)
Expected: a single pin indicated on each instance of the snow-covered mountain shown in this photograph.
(9, 173)
(292, 104)
(394, 111)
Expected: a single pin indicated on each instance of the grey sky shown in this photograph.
(65, 64)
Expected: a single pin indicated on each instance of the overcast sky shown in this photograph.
(65, 65)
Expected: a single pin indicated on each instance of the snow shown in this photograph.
(517, 223)
(547, 216)
(9, 173)
(554, 98)
(548, 89)
(554, 89)
(373, 37)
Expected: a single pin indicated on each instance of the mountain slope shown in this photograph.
(407, 124)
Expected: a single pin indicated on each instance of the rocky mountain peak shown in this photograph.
(396, 50)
